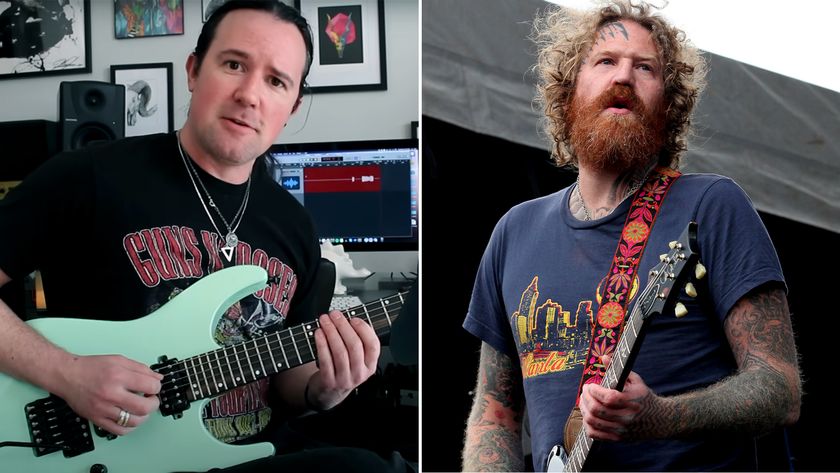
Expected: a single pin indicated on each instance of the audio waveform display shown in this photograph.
(291, 183)
(366, 178)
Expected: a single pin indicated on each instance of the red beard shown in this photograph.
(615, 142)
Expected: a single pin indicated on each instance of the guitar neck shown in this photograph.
(624, 353)
(672, 272)
(614, 378)
(212, 373)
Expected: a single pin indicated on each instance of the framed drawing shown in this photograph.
(349, 44)
(208, 7)
(40, 38)
(141, 19)
(148, 97)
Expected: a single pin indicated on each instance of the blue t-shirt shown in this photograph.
(535, 297)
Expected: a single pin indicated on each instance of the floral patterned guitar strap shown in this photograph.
(613, 297)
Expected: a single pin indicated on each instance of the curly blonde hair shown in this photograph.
(564, 38)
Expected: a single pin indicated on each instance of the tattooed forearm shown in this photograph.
(493, 438)
(761, 336)
(493, 449)
(753, 401)
(764, 394)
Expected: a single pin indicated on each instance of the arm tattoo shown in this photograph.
(764, 394)
(494, 429)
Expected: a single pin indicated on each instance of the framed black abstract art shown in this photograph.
(44, 38)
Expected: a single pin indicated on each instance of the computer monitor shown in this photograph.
(361, 194)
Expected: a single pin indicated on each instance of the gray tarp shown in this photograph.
(773, 134)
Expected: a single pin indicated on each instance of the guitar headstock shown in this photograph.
(673, 271)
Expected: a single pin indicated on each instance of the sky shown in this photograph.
(794, 38)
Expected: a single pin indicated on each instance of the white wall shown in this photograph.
(331, 117)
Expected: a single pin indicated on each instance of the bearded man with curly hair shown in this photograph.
(561, 274)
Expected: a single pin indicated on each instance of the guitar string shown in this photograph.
(207, 361)
(269, 339)
(577, 448)
(62, 410)
(579, 452)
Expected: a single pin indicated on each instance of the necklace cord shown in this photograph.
(586, 215)
(230, 237)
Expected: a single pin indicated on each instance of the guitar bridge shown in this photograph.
(53, 426)
(173, 387)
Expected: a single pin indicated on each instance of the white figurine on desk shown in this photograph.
(343, 265)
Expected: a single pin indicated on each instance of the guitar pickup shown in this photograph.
(173, 387)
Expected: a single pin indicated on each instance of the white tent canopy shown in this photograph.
(773, 134)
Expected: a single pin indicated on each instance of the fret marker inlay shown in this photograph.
(217, 371)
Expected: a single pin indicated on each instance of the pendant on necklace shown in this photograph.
(230, 245)
(228, 252)
(231, 240)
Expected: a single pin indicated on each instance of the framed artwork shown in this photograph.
(148, 97)
(349, 44)
(143, 18)
(208, 7)
(41, 38)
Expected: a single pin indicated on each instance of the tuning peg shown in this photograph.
(680, 310)
(663, 257)
(699, 271)
(672, 244)
(690, 290)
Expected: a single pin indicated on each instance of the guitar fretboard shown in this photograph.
(218, 371)
(661, 280)
(583, 443)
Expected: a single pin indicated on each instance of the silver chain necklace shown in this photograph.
(586, 215)
(231, 240)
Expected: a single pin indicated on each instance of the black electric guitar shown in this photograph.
(657, 297)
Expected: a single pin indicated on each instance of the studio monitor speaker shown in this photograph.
(90, 112)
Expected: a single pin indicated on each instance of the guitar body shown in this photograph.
(557, 460)
(180, 329)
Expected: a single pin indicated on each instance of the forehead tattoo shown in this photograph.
(611, 29)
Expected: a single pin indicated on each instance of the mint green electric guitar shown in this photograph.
(39, 432)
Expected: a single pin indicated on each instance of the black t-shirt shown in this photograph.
(117, 230)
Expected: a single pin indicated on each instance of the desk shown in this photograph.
(376, 286)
